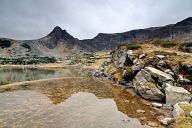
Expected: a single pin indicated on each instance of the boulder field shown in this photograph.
(152, 77)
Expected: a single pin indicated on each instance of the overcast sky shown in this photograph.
(31, 19)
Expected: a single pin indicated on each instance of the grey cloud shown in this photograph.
(30, 19)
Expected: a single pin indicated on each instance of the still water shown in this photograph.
(11, 75)
(72, 103)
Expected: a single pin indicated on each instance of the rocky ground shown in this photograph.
(157, 74)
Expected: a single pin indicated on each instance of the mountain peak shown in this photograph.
(57, 28)
(58, 32)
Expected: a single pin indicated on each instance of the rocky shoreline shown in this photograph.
(156, 78)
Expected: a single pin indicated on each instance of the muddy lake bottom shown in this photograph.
(71, 102)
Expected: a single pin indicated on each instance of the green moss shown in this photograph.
(129, 46)
(151, 84)
(164, 53)
(164, 43)
(186, 121)
(187, 109)
(184, 46)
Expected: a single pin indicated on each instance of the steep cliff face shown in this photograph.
(110, 41)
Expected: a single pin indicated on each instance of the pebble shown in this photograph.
(160, 56)
(190, 114)
(152, 124)
(166, 121)
(142, 56)
(140, 111)
(157, 105)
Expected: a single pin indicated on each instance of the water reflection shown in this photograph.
(72, 103)
(81, 110)
(11, 75)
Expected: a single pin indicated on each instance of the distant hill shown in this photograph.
(110, 41)
(59, 43)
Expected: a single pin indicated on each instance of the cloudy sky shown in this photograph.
(31, 19)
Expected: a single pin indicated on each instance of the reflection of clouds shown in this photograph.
(82, 109)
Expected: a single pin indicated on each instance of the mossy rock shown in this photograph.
(151, 84)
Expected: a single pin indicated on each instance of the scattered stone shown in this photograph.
(166, 121)
(142, 56)
(190, 114)
(160, 56)
(183, 80)
(135, 61)
(137, 67)
(130, 52)
(143, 120)
(126, 120)
(140, 111)
(168, 71)
(176, 94)
(152, 124)
(157, 105)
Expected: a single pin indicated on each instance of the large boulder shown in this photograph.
(150, 83)
(176, 94)
(122, 57)
(161, 76)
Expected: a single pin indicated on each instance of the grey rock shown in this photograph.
(140, 111)
(160, 56)
(130, 52)
(190, 114)
(162, 77)
(150, 83)
(183, 80)
(168, 71)
(177, 111)
(122, 60)
(166, 121)
(145, 85)
(157, 105)
(176, 94)
(142, 56)
(137, 67)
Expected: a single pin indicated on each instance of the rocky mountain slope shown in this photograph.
(60, 44)
(57, 43)
(110, 41)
